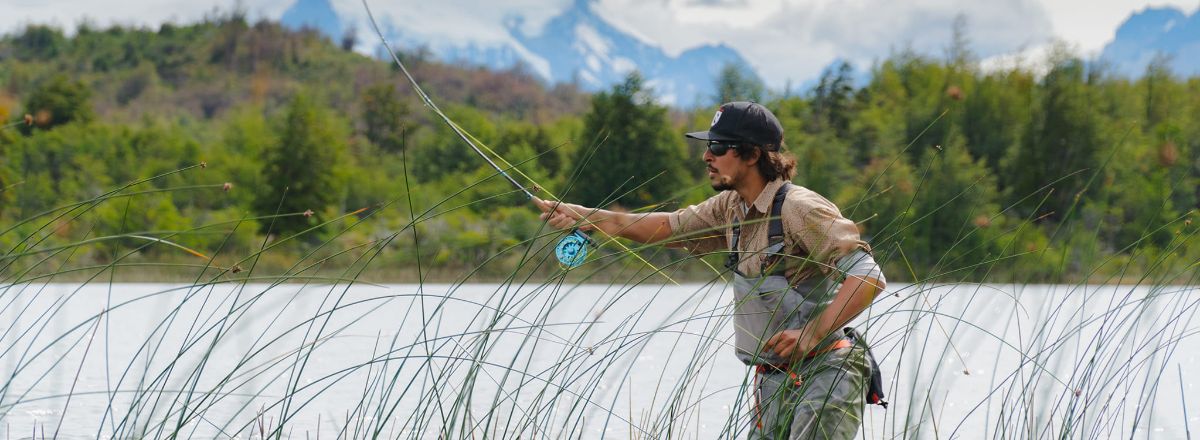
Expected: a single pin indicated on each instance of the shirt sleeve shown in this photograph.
(824, 233)
(861, 264)
(699, 228)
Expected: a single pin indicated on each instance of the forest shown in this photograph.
(145, 149)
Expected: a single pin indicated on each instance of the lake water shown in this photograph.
(578, 361)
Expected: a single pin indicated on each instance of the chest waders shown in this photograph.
(821, 396)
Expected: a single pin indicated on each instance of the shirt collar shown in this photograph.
(762, 204)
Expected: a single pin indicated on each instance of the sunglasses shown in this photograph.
(718, 148)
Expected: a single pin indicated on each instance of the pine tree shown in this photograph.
(301, 170)
(736, 83)
(637, 159)
(1062, 146)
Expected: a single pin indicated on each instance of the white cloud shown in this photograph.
(795, 39)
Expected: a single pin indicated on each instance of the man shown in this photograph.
(800, 272)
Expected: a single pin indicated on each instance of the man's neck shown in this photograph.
(751, 188)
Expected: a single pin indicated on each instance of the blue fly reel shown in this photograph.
(572, 249)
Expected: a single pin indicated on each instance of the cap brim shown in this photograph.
(710, 136)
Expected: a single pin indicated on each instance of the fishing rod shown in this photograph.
(572, 249)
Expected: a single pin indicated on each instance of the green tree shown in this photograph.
(385, 116)
(954, 212)
(737, 83)
(637, 159)
(833, 100)
(1061, 149)
(996, 113)
(443, 152)
(301, 170)
(60, 100)
(39, 43)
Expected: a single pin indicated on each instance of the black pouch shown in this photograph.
(875, 384)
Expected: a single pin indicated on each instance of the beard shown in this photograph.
(722, 184)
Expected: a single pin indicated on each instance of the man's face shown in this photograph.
(726, 171)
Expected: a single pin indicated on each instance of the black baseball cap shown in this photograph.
(746, 122)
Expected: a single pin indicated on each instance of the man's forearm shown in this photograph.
(851, 299)
(856, 295)
(643, 228)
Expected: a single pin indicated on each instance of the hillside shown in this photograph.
(206, 69)
(253, 147)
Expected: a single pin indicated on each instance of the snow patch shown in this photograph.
(539, 64)
(588, 78)
(623, 65)
(592, 40)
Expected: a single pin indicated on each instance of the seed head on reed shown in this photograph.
(955, 93)
(227, 186)
(1168, 154)
(28, 119)
(308, 213)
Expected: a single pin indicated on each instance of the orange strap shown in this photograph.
(836, 345)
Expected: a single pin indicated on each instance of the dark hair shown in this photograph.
(773, 163)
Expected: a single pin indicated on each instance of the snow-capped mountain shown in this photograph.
(576, 46)
(1153, 31)
(580, 46)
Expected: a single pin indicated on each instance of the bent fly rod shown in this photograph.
(572, 249)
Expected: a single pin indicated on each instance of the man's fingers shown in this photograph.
(543, 205)
(561, 221)
(786, 351)
(782, 343)
(770, 345)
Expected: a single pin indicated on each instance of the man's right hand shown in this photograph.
(564, 215)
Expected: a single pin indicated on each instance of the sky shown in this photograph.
(784, 40)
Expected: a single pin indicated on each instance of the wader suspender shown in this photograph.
(774, 234)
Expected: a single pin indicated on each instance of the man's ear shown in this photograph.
(753, 157)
